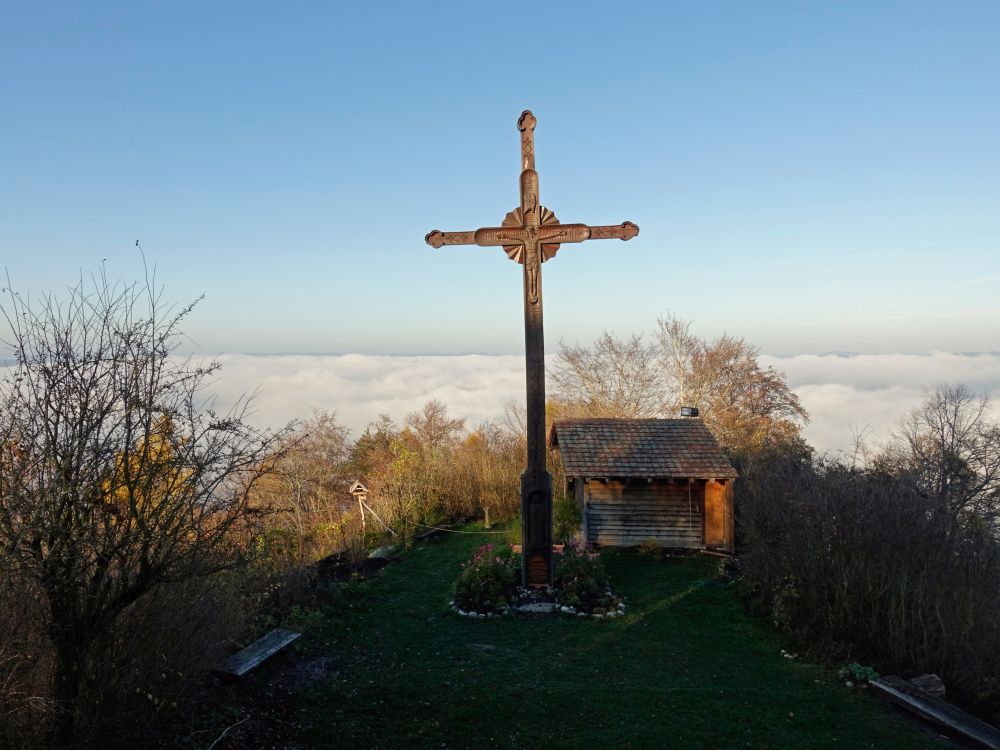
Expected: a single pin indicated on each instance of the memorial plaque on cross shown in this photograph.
(530, 235)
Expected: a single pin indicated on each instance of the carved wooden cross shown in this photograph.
(530, 235)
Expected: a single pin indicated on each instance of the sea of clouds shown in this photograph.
(844, 394)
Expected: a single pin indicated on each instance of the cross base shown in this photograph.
(536, 528)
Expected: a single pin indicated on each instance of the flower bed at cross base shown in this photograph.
(488, 586)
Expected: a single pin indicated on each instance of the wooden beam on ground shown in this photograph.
(902, 693)
(253, 655)
(715, 553)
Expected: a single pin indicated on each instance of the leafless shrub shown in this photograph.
(868, 565)
(306, 493)
(114, 482)
(950, 447)
(25, 666)
(155, 662)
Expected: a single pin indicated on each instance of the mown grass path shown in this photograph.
(686, 668)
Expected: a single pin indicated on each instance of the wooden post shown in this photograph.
(581, 500)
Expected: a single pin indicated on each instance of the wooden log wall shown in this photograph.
(623, 514)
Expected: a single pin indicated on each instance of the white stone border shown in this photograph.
(544, 608)
(476, 615)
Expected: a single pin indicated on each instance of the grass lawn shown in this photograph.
(686, 668)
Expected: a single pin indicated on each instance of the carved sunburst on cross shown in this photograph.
(515, 218)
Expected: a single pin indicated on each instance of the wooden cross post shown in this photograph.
(530, 235)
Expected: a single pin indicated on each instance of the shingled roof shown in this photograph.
(639, 448)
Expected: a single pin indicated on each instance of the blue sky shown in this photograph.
(814, 177)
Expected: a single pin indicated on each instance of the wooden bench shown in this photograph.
(907, 695)
(253, 655)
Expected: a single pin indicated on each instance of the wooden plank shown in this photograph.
(629, 519)
(715, 553)
(641, 528)
(680, 539)
(647, 509)
(637, 528)
(692, 542)
(902, 693)
(637, 523)
(626, 515)
(263, 648)
(646, 497)
(603, 510)
(644, 518)
(652, 509)
(644, 532)
(665, 528)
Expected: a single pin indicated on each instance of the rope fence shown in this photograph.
(456, 531)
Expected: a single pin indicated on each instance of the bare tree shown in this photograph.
(113, 481)
(308, 488)
(432, 426)
(678, 349)
(515, 417)
(951, 445)
(613, 378)
(749, 408)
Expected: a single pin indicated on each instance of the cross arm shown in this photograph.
(485, 237)
(548, 233)
(563, 233)
(624, 231)
(436, 238)
(553, 233)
